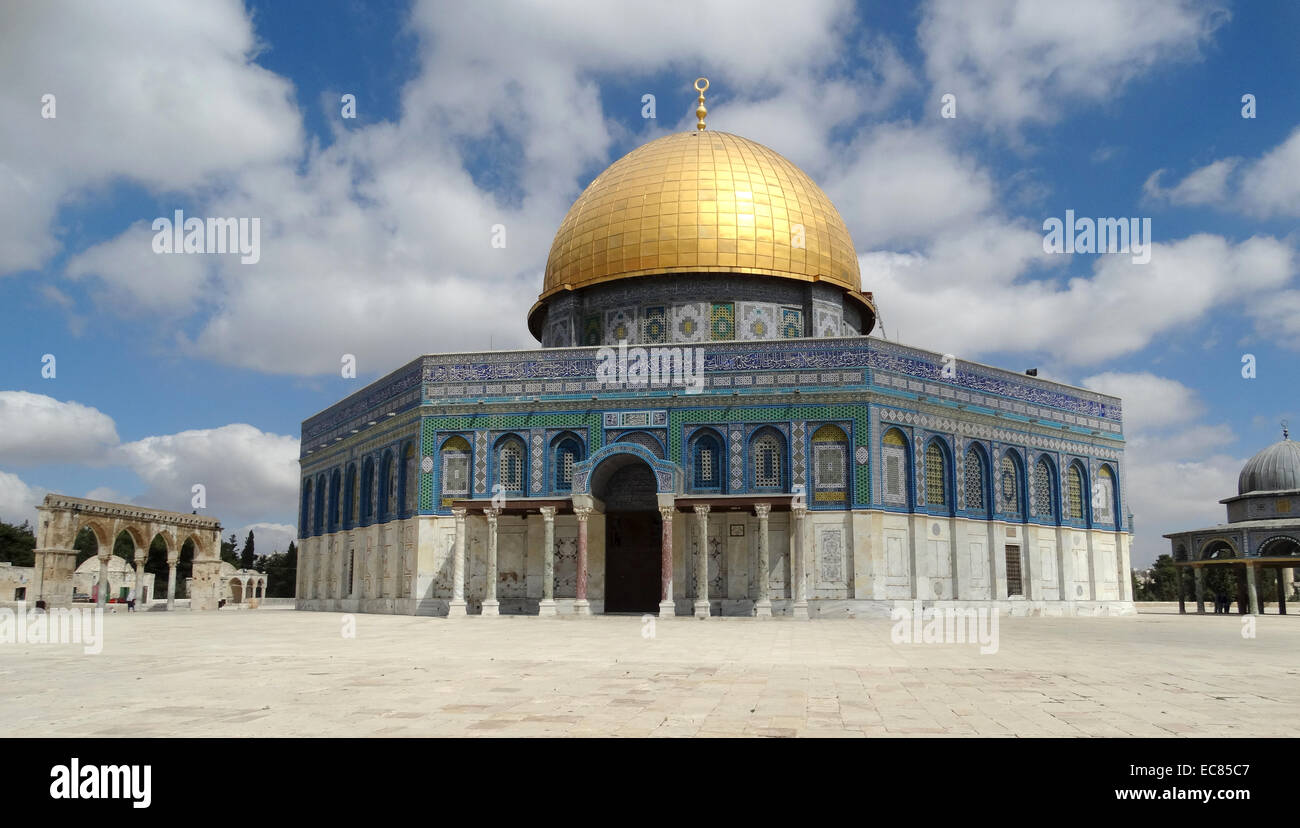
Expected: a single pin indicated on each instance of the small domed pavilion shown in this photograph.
(1262, 532)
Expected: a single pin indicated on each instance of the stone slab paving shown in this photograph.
(278, 672)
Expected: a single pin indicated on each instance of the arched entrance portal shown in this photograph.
(626, 485)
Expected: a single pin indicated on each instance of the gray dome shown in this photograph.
(1276, 467)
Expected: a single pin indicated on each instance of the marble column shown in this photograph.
(102, 597)
(763, 609)
(1252, 590)
(799, 572)
(580, 605)
(667, 609)
(547, 606)
(456, 609)
(171, 584)
(490, 604)
(139, 580)
(1199, 574)
(702, 562)
(1181, 575)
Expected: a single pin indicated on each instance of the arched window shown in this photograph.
(510, 465)
(974, 478)
(1008, 486)
(1103, 498)
(367, 490)
(1074, 493)
(336, 507)
(830, 448)
(351, 500)
(936, 476)
(1044, 503)
(647, 441)
(387, 486)
(410, 485)
(305, 523)
(318, 510)
(708, 467)
(567, 453)
(768, 461)
(455, 468)
(898, 471)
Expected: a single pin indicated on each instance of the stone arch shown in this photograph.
(1213, 549)
(1279, 546)
(667, 475)
(61, 517)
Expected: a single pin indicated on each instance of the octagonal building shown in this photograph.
(708, 428)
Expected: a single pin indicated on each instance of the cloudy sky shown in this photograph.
(171, 370)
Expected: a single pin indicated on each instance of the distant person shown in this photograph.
(130, 601)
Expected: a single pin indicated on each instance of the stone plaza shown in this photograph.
(274, 672)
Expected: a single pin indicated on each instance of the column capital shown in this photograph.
(583, 512)
(667, 512)
(548, 513)
(762, 510)
(459, 512)
(702, 510)
(491, 513)
(799, 512)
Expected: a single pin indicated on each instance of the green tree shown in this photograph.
(86, 545)
(17, 544)
(247, 559)
(281, 570)
(124, 547)
(229, 551)
(1163, 583)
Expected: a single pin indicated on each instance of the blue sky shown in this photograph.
(180, 369)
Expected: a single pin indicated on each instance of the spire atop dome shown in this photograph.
(700, 111)
(1285, 434)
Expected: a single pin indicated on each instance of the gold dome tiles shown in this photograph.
(701, 201)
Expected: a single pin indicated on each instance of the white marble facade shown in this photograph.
(859, 563)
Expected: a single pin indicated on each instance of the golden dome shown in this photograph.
(701, 202)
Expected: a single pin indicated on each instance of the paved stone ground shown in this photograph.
(276, 672)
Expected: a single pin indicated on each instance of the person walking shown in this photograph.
(130, 601)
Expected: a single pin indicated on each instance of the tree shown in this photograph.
(281, 570)
(229, 552)
(246, 560)
(17, 544)
(1163, 583)
(124, 547)
(86, 545)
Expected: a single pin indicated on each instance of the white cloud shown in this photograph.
(36, 429)
(247, 473)
(1208, 185)
(1176, 468)
(998, 309)
(150, 92)
(135, 280)
(1265, 187)
(1149, 401)
(267, 537)
(1015, 62)
(18, 500)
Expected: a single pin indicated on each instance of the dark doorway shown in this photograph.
(632, 534)
(632, 562)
